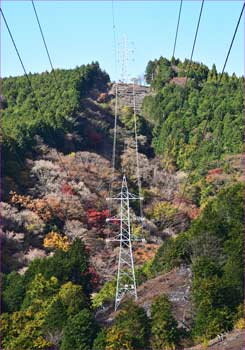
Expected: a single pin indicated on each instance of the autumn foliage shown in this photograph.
(103, 97)
(213, 173)
(45, 208)
(67, 189)
(56, 241)
(38, 206)
(97, 218)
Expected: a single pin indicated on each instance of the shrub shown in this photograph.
(80, 332)
(165, 334)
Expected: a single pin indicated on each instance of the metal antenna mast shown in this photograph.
(126, 283)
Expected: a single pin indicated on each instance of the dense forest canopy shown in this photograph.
(198, 121)
(47, 105)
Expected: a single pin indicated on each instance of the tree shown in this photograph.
(40, 289)
(72, 266)
(121, 336)
(165, 334)
(79, 332)
(100, 341)
(13, 292)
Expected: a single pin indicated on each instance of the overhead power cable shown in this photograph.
(20, 59)
(113, 160)
(233, 38)
(177, 29)
(46, 47)
(188, 72)
(219, 81)
(191, 57)
(194, 43)
(29, 82)
(137, 153)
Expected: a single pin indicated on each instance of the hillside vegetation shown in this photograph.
(58, 279)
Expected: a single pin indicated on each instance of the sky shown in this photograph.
(79, 32)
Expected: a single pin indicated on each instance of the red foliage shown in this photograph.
(96, 218)
(213, 172)
(194, 212)
(216, 171)
(67, 189)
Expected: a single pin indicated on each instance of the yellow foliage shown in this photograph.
(163, 209)
(205, 344)
(136, 230)
(116, 340)
(240, 324)
(55, 240)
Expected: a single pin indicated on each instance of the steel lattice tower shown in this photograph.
(126, 283)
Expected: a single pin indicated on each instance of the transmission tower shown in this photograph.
(126, 283)
(125, 55)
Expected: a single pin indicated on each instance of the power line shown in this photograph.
(191, 58)
(194, 43)
(177, 29)
(113, 160)
(46, 47)
(233, 38)
(137, 152)
(20, 59)
(30, 83)
(41, 31)
(188, 71)
(219, 81)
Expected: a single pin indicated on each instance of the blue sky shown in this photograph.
(78, 32)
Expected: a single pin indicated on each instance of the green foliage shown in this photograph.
(128, 119)
(159, 72)
(100, 341)
(165, 334)
(23, 330)
(217, 253)
(120, 336)
(106, 293)
(68, 302)
(41, 302)
(13, 292)
(163, 210)
(58, 101)
(214, 247)
(209, 294)
(67, 266)
(182, 114)
(172, 253)
(80, 332)
(40, 289)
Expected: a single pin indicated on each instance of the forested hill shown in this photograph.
(195, 122)
(50, 104)
(46, 105)
(59, 267)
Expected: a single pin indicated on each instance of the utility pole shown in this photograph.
(126, 283)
